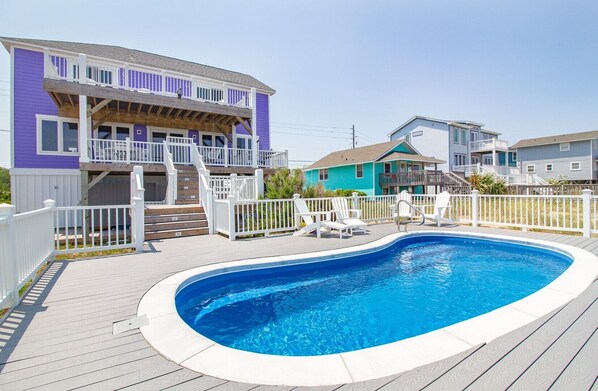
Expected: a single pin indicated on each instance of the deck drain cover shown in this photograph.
(129, 324)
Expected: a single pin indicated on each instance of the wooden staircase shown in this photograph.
(163, 222)
(187, 185)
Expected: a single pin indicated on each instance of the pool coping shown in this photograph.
(176, 341)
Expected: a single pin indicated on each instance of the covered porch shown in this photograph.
(409, 171)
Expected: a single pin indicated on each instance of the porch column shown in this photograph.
(254, 146)
(83, 129)
(494, 157)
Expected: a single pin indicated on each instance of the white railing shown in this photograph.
(261, 217)
(222, 219)
(171, 174)
(243, 188)
(137, 206)
(117, 74)
(26, 244)
(238, 157)
(180, 149)
(206, 193)
(125, 151)
(488, 145)
(272, 159)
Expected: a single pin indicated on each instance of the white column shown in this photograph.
(83, 129)
(10, 269)
(586, 196)
(259, 183)
(254, 146)
(494, 157)
(474, 207)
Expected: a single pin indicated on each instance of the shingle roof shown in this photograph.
(359, 155)
(459, 123)
(148, 59)
(561, 138)
(414, 158)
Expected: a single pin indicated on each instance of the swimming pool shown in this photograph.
(257, 300)
(416, 285)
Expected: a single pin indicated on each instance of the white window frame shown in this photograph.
(456, 135)
(463, 136)
(357, 171)
(549, 167)
(213, 135)
(575, 169)
(514, 156)
(389, 165)
(155, 129)
(113, 132)
(533, 168)
(323, 174)
(408, 138)
(59, 121)
(417, 133)
(248, 140)
(564, 147)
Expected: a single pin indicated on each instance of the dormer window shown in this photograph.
(564, 147)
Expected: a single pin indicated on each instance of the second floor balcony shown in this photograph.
(412, 178)
(143, 152)
(488, 145)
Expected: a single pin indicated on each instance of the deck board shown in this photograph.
(60, 337)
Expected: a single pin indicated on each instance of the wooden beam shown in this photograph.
(149, 110)
(203, 117)
(187, 114)
(226, 132)
(129, 108)
(55, 99)
(195, 115)
(102, 120)
(179, 111)
(97, 179)
(242, 121)
(71, 99)
(98, 107)
(139, 109)
(159, 110)
(169, 111)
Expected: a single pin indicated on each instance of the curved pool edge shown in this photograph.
(176, 341)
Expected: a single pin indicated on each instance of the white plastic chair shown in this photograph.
(440, 206)
(405, 211)
(348, 216)
(314, 222)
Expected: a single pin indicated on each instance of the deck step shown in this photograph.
(190, 201)
(174, 209)
(176, 233)
(175, 225)
(174, 217)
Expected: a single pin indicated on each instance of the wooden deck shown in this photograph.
(60, 337)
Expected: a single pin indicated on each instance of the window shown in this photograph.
(456, 135)
(323, 174)
(57, 135)
(408, 137)
(359, 171)
(487, 160)
(575, 166)
(459, 159)
(530, 168)
(514, 156)
(418, 133)
(214, 140)
(464, 137)
(387, 168)
(549, 167)
(243, 142)
(112, 132)
(564, 147)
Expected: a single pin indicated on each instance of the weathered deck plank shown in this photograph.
(60, 337)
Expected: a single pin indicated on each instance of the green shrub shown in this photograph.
(284, 183)
(488, 184)
(4, 186)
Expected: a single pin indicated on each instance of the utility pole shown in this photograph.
(353, 127)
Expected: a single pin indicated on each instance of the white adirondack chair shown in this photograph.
(405, 211)
(440, 207)
(314, 222)
(348, 216)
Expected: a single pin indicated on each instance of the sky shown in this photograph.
(522, 68)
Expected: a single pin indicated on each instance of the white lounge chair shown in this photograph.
(348, 216)
(314, 222)
(440, 207)
(405, 211)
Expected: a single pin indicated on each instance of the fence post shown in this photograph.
(474, 207)
(128, 150)
(259, 183)
(355, 201)
(233, 185)
(231, 217)
(209, 209)
(137, 208)
(295, 211)
(586, 196)
(11, 269)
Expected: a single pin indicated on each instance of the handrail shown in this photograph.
(206, 194)
(413, 208)
(171, 172)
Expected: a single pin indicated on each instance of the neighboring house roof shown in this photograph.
(561, 138)
(407, 156)
(367, 154)
(144, 58)
(462, 124)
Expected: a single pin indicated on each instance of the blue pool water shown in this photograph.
(417, 285)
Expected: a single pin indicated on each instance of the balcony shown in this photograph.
(488, 145)
(413, 178)
(142, 152)
(143, 79)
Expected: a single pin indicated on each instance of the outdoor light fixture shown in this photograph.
(179, 93)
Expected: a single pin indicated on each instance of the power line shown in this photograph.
(313, 135)
(309, 130)
(313, 126)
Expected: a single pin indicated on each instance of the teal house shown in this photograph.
(385, 168)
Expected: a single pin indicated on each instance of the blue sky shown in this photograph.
(523, 68)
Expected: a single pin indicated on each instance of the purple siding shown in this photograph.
(30, 99)
(236, 96)
(194, 134)
(142, 136)
(173, 84)
(263, 121)
(149, 81)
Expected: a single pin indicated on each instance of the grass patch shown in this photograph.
(93, 254)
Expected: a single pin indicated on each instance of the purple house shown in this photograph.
(82, 115)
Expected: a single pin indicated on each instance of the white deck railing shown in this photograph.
(488, 145)
(117, 74)
(142, 152)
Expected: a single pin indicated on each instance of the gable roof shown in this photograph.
(367, 154)
(561, 138)
(462, 124)
(139, 57)
(415, 158)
